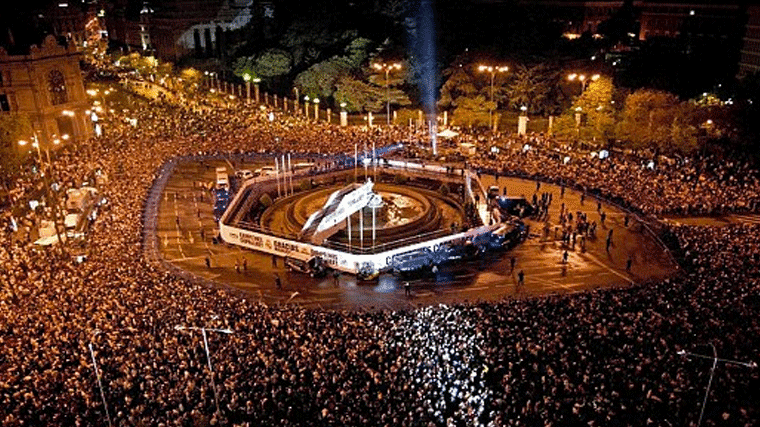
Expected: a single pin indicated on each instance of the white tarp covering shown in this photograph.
(448, 133)
(71, 220)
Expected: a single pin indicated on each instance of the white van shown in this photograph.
(265, 171)
(244, 174)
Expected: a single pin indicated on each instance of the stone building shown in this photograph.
(750, 53)
(46, 86)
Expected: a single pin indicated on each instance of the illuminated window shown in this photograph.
(57, 87)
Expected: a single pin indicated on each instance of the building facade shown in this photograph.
(750, 53)
(46, 86)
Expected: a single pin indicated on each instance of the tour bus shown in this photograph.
(302, 166)
(412, 261)
(222, 180)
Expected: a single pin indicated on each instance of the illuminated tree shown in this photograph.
(647, 119)
(598, 116)
(13, 128)
(472, 111)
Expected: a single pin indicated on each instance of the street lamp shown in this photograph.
(387, 67)
(715, 360)
(306, 106)
(316, 109)
(256, 81)
(493, 70)
(247, 78)
(46, 180)
(97, 375)
(343, 114)
(583, 79)
(208, 355)
(295, 106)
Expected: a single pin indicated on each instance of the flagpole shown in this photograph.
(277, 176)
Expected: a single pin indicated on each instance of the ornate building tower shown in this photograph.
(46, 86)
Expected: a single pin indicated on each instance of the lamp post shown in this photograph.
(715, 360)
(492, 70)
(583, 79)
(208, 355)
(316, 109)
(387, 67)
(306, 106)
(343, 114)
(295, 100)
(256, 81)
(247, 78)
(97, 375)
(46, 181)
(522, 122)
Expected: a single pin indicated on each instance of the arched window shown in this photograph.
(57, 87)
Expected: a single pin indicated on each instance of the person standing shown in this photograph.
(628, 264)
(520, 278)
(277, 281)
(512, 263)
(407, 289)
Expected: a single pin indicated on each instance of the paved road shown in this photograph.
(183, 215)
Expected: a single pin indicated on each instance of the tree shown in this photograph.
(320, 80)
(647, 119)
(472, 111)
(683, 132)
(595, 104)
(594, 109)
(13, 128)
(358, 95)
(357, 52)
(533, 87)
(272, 63)
(395, 96)
(459, 83)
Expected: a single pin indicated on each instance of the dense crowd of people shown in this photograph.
(605, 357)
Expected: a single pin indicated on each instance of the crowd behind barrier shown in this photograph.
(605, 357)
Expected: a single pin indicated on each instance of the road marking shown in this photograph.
(608, 268)
(477, 288)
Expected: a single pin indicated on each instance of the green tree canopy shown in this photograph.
(597, 117)
(534, 87)
(272, 63)
(13, 128)
(321, 79)
(358, 96)
(459, 83)
(472, 111)
(647, 118)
